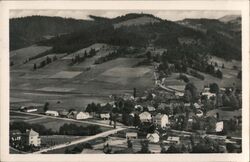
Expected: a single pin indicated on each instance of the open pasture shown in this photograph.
(126, 72)
(96, 46)
(66, 74)
(55, 124)
(20, 117)
(227, 64)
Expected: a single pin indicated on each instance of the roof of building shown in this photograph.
(159, 116)
(151, 108)
(131, 134)
(31, 132)
(51, 112)
(63, 112)
(173, 138)
(154, 135)
(145, 114)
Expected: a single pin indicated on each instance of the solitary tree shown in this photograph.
(46, 106)
(34, 67)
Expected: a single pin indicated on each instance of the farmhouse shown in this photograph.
(161, 120)
(82, 115)
(52, 113)
(138, 108)
(199, 113)
(63, 113)
(206, 92)
(131, 135)
(145, 117)
(151, 108)
(72, 114)
(153, 137)
(172, 140)
(197, 106)
(32, 138)
(28, 109)
(219, 126)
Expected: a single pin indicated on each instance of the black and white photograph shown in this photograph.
(130, 81)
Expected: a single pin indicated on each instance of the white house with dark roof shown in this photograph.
(51, 113)
(104, 116)
(81, 115)
(31, 137)
(131, 135)
(145, 117)
(161, 120)
(153, 137)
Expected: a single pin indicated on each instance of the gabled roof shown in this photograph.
(172, 138)
(145, 114)
(154, 135)
(31, 132)
(51, 112)
(159, 116)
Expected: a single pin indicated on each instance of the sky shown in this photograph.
(173, 15)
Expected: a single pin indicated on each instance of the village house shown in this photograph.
(172, 140)
(63, 113)
(219, 126)
(151, 108)
(145, 117)
(206, 92)
(72, 114)
(104, 115)
(51, 113)
(153, 137)
(161, 120)
(81, 115)
(32, 138)
(138, 108)
(131, 135)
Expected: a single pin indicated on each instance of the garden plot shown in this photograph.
(57, 139)
(66, 74)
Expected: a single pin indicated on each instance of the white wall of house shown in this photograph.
(34, 140)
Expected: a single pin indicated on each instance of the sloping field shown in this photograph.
(66, 74)
(126, 72)
(20, 55)
(96, 46)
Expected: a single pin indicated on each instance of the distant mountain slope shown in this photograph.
(28, 30)
(227, 34)
(137, 21)
(205, 36)
(228, 18)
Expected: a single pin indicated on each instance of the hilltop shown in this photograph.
(209, 36)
